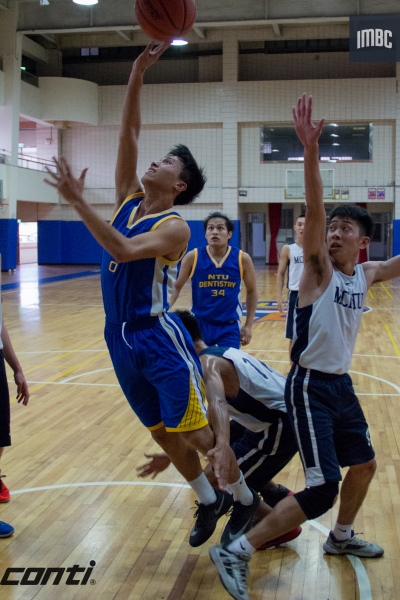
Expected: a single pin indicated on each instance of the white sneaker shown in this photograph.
(352, 546)
(233, 571)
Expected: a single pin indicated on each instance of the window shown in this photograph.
(338, 143)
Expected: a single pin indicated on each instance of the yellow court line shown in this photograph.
(387, 291)
(392, 340)
(62, 356)
(66, 373)
(370, 293)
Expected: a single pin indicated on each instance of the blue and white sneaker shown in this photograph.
(5, 530)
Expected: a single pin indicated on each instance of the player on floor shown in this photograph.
(240, 387)
(216, 272)
(291, 259)
(326, 414)
(7, 353)
(153, 356)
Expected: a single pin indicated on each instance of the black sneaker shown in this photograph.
(207, 517)
(272, 497)
(240, 521)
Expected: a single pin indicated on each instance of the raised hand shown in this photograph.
(307, 132)
(150, 55)
(70, 187)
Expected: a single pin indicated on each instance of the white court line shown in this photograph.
(85, 374)
(285, 352)
(361, 574)
(396, 387)
(56, 351)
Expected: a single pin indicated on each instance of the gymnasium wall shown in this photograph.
(220, 123)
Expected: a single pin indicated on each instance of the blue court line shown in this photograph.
(17, 285)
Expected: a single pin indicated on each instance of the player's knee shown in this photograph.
(317, 500)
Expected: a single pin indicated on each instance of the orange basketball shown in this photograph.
(164, 20)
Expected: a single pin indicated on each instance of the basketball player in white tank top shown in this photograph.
(291, 259)
(319, 393)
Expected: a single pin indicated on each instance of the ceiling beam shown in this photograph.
(277, 29)
(199, 31)
(125, 36)
(201, 25)
(4, 5)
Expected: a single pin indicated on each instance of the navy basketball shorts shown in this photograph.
(225, 335)
(261, 455)
(5, 436)
(292, 299)
(329, 423)
(159, 372)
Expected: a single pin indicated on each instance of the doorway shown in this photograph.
(28, 247)
(255, 236)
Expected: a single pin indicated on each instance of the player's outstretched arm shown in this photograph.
(221, 455)
(317, 265)
(249, 278)
(385, 270)
(169, 239)
(12, 360)
(184, 274)
(126, 178)
(280, 276)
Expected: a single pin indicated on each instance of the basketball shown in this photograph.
(164, 20)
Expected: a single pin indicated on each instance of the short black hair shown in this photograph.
(191, 324)
(230, 225)
(191, 174)
(302, 216)
(357, 214)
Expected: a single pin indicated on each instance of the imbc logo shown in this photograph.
(41, 576)
(374, 38)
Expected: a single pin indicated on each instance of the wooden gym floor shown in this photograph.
(71, 469)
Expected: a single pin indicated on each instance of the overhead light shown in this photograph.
(333, 124)
(275, 150)
(86, 2)
(334, 135)
(23, 68)
(335, 144)
(179, 43)
(44, 2)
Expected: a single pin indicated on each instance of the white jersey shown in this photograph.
(296, 266)
(261, 398)
(325, 332)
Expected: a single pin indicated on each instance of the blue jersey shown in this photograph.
(216, 286)
(139, 288)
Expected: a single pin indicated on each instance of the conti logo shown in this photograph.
(380, 38)
(41, 576)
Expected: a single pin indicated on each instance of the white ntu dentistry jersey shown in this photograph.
(325, 332)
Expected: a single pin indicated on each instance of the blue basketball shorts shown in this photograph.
(329, 423)
(292, 298)
(262, 454)
(226, 335)
(159, 372)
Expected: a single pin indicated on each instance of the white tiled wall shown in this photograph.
(220, 123)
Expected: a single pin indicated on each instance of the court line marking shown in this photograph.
(360, 572)
(386, 290)
(51, 360)
(393, 385)
(366, 355)
(364, 585)
(392, 340)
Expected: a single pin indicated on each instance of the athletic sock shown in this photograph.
(241, 492)
(202, 488)
(342, 532)
(240, 545)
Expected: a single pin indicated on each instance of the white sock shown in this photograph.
(342, 532)
(241, 545)
(241, 492)
(202, 488)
